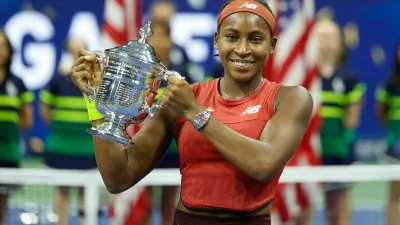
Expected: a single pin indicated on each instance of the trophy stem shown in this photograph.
(111, 129)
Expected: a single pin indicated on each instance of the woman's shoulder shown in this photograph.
(17, 81)
(298, 96)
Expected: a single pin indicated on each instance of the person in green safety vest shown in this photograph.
(16, 113)
(342, 95)
(388, 112)
(68, 145)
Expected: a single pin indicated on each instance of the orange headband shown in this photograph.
(251, 6)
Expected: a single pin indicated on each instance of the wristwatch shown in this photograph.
(201, 120)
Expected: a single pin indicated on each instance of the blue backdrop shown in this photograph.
(41, 26)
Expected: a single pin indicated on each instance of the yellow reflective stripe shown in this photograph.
(70, 116)
(9, 116)
(69, 102)
(357, 93)
(27, 97)
(46, 97)
(333, 97)
(9, 101)
(331, 112)
(383, 96)
(208, 78)
(394, 102)
(160, 92)
(394, 114)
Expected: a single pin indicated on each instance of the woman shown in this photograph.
(231, 154)
(68, 145)
(388, 113)
(15, 113)
(341, 107)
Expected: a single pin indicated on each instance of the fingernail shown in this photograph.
(87, 57)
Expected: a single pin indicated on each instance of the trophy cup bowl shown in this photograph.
(120, 96)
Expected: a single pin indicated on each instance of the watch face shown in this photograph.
(201, 118)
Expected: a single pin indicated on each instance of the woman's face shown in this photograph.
(329, 40)
(244, 44)
(4, 50)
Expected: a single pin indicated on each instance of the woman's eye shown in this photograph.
(256, 39)
(231, 37)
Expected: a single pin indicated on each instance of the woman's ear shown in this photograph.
(216, 40)
(273, 44)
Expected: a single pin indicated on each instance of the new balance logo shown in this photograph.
(210, 109)
(248, 5)
(251, 110)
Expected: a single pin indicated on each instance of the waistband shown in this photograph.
(184, 218)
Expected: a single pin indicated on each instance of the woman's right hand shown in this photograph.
(86, 69)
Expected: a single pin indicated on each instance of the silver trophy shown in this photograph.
(120, 96)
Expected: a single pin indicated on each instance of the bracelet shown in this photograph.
(94, 114)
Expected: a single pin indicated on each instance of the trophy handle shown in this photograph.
(149, 108)
(127, 123)
(101, 58)
(169, 73)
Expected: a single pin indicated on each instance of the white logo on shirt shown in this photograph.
(248, 5)
(251, 110)
(11, 90)
(338, 85)
(210, 109)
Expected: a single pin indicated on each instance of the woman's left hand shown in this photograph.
(179, 97)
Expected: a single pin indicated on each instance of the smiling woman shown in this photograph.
(234, 134)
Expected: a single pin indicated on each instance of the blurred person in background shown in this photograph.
(162, 10)
(68, 145)
(16, 114)
(388, 112)
(162, 43)
(342, 95)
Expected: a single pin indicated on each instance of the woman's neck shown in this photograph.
(164, 58)
(236, 90)
(326, 69)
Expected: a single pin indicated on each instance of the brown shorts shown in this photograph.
(184, 218)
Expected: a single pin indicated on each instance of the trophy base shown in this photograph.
(107, 136)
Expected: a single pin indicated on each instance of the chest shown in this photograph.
(335, 84)
(248, 119)
(65, 87)
(10, 88)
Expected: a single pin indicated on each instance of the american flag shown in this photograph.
(293, 63)
(122, 21)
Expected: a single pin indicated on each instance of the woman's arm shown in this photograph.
(122, 168)
(45, 112)
(261, 159)
(26, 116)
(353, 113)
(383, 96)
(382, 113)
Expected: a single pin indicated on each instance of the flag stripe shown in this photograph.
(293, 63)
(298, 49)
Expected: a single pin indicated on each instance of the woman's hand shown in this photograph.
(179, 97)
(86, 69)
